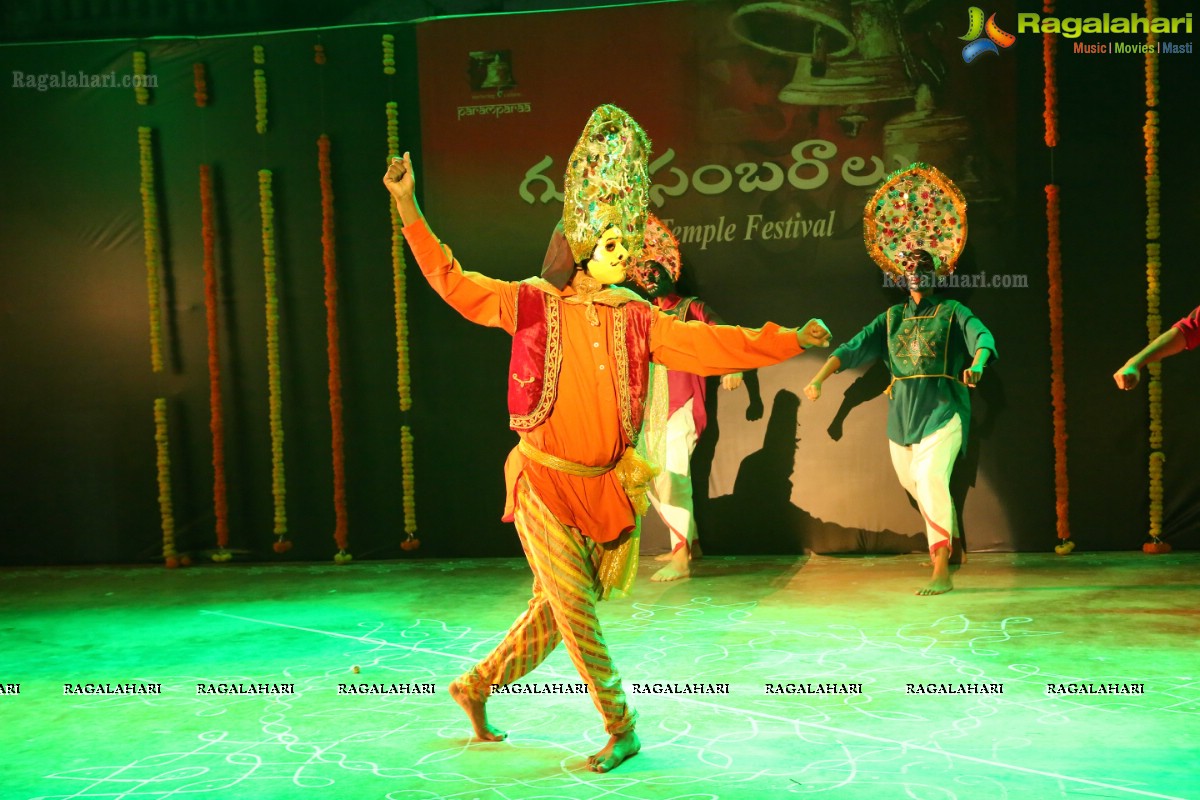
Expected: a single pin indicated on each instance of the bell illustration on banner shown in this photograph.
(934, 136)
(847, 53)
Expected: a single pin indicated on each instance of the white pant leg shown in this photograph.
(924, 471)
(671, 492)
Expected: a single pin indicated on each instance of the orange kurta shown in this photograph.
(584, 425)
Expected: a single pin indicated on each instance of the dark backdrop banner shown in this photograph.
(763, 170)
(763, 161)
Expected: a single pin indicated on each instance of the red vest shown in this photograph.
(537, 357)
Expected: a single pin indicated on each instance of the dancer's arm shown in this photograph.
(813, 390)
(867, 345)
(480, 299)
(980, 343)
(719, 349)
(705, 313)
(1168, 344)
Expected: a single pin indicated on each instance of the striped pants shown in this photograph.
(563, 607)
(924, 470)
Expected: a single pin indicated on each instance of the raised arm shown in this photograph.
(480, 299)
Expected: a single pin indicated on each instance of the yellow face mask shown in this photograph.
(607, 263)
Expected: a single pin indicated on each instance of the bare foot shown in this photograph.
(940, 582)
(939, 585)
(615, 752)
(477, 713)
(676, 569)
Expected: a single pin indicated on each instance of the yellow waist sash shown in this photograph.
(619, 562)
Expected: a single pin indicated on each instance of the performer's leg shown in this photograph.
(530, 639)
(565, 563)
(932, 462)
(902, 462)
(673, 494)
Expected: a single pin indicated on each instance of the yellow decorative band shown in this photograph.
(562, 464)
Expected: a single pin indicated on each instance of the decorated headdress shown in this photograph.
(916, 208)
(607, 182)
(660, 246)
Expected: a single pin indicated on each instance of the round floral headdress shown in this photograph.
(916, 208)
(661, 246)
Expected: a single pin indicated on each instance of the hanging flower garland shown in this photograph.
(153, 245)
(200, 81)
(216, 421)
(163, 461)
(278, 488)
(389, 54)
(260, 90)
(141, 91)
(399, 268)
(411, 542)
(1050, 82)
(329, 258)
(1058, 386)
(403, 386)
(1153, 289)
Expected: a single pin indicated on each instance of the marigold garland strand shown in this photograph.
(389, 54)
(200, 80)
(408, 470)
(399, 285)
(216, 422)
(329, 258)
(1058, 388)
(278, 484)
(260, 90)
(163, 462)
(1153, 289)
(153, 245)
(141, 91)
(1050, 82)
(399, 279)
(1058, 385)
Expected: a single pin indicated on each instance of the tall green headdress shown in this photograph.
(607, 182)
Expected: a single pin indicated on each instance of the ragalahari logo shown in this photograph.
(976, 28)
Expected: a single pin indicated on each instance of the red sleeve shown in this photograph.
(481, 299)
(700, 310)
(1189, 326)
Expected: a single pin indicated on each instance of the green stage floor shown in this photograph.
(1018, 620)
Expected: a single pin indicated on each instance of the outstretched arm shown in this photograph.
(1168, 344)
(480, 299)
(867, 345)
(718, 349)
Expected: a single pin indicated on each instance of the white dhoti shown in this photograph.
(924, 470)
(671, 492)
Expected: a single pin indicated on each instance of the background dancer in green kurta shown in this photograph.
(935, 349)
(915, 228)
